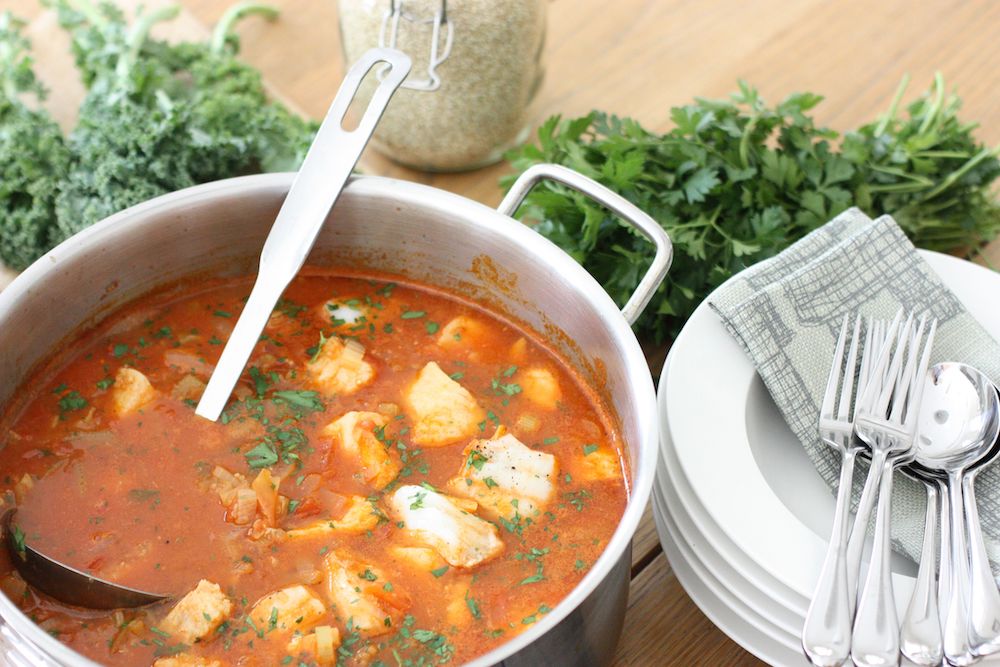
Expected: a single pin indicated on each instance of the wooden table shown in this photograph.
(638, 58)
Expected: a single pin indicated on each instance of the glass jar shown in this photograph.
(476, 68)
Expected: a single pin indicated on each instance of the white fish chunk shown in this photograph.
(431, 518)
(340, 368)
(506, 476)
(362, 594)
(131, 391)
(442, 410)
(198, 614)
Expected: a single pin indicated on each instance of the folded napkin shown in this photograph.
(787, 312)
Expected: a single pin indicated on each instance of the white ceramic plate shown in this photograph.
(721, 607)
(689, 532)
(742, 464)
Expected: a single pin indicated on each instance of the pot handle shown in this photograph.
(628, 211)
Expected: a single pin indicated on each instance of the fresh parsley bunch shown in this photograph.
(737, 181)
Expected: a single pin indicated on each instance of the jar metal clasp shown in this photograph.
(389, 34)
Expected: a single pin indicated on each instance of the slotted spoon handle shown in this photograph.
(325, 170)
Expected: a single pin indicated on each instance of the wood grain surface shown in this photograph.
(638, 58)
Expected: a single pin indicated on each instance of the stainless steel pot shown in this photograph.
(391, 226)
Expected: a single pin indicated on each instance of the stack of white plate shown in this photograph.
(742, 513)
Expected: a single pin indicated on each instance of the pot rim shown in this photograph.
(643, 466)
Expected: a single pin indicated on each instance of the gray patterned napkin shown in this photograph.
(787, 311)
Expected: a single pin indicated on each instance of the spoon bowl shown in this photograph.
(64, 583)
(961, 431)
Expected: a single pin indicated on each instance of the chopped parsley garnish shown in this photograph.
(473, 606)
(432, 327)
(413, 314)
(476, 459)
(105, 383)
(590, 449)
(72, 401)
(439, 571)
(301, 399)
(119, 350)
(262, 456)
(18, 536)
(418, 501)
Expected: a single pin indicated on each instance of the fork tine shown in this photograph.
(881, 406)
(847, 390)
(876, 376)
(904, 384)
(866, 361)
(917, 390)
(830, 397)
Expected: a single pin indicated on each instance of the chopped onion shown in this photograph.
(245, 508)
(327, 641)
(527, 423)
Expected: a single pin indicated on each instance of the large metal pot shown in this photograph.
(392, 226)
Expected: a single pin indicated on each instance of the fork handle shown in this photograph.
(826, 635)
(920, 632)
(875, 642)
(859, 530)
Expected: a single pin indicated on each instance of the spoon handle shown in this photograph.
(984, 598)
(957, 648)
(859, 529)
(325, 170)
(875, 641)
(944, 554)
(826, 635)
(920, 632)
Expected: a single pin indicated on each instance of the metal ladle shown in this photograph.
(327, 166)
(954, 440)
(64, 583)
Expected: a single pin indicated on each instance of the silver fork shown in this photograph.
(887, 421)
(826, 634)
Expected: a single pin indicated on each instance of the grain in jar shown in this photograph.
(487, 81)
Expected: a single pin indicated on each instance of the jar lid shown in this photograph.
(389, 33)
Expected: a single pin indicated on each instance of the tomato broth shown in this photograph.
(401, 477)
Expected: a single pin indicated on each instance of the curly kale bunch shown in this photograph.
(737, 181)
(34, 159)
(157, 117)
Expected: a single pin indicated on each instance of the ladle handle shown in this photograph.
(984, 598)
(325, 170)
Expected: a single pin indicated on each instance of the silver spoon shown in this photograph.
(952, 439)
(65, 583)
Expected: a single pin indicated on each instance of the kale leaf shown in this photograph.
(33, 155)
(160, 116)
